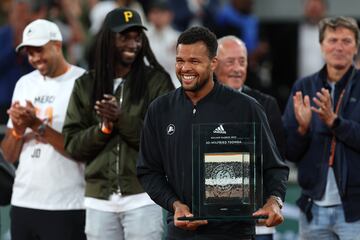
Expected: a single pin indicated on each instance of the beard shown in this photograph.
(197, 86)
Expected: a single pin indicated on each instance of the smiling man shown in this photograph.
(165, 164)
(48, 193)
(103, 125)
(323, 136)
(232, 71)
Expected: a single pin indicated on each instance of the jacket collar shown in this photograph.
(343, 81)
(212, 92)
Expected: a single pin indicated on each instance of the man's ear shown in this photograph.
(214, 63)
(58, 45)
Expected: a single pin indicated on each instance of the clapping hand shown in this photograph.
(108, 109)
(302, 110)
(324, 107)
(22, 117)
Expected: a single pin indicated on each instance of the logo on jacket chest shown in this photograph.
(170, 129)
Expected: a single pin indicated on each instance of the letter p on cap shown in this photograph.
(128, 15)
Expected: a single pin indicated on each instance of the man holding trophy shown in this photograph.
(207, 154)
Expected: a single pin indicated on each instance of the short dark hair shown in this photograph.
(196, 34)
(335, 22)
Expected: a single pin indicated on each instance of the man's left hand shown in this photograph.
(272, 210)
(325, 107)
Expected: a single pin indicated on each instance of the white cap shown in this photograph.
(40, 32)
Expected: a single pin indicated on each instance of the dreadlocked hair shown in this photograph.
(138, 84)
(105, 63)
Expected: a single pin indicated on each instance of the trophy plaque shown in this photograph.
(226, 171)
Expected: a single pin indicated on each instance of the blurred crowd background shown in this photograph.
(281, 36)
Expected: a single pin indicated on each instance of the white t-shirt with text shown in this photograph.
(45, 179)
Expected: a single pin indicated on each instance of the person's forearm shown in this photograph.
(55, 139)
(347, 131)
(129, 127)
(50, 135)
(11, 145)
(85, 144)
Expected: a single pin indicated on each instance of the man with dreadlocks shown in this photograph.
(103, 124)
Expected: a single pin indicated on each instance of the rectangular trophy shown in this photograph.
(227, 171)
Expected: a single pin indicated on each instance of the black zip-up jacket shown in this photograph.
(273, 114)
(165, 163)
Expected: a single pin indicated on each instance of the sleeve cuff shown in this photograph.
(336, 123)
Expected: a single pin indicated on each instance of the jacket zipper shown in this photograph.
(118, 190)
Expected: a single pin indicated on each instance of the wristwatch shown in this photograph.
(278, 200)
(41, 129)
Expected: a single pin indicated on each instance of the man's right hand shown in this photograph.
(302, 110)
(16, 112)
(182, 210)
(108, 109)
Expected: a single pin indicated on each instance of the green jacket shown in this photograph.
(85, 142)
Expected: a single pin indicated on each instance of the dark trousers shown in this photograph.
(264, 237)
(34, 224)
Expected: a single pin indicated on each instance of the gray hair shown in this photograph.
(231, 38)
(335, 22)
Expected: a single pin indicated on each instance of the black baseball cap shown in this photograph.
(120, 19)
